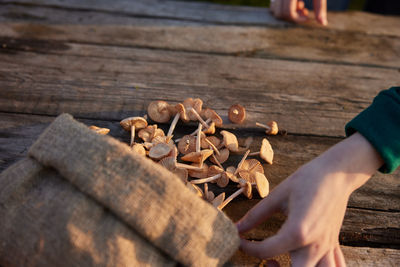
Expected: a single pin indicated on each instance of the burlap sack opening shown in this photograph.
(86, 199)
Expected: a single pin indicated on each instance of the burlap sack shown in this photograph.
(84, 199)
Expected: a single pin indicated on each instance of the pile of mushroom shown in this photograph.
(201, 153)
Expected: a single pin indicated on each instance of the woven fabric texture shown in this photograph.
(101, 184)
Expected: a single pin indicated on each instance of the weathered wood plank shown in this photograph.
(112, 82)
(298, 43)
(355, 257)
(18, 132)
(221, 14)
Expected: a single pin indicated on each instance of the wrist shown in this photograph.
(355, 159)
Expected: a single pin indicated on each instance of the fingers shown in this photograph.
(328, 260)
(320, 9)
(262, 211)
(275, 245)
(306, 256)
(339, 257)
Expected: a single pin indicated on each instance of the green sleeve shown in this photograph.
(380, 125)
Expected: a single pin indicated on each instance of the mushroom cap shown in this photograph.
(247, 188)
(266, 152)
(209, 113)
(214, 140)
(262, 184)
(151, 131)
(222, 157)
(196, 104)
(213, 170)
(223, 181)
(249, 168)
(180, 108)
(230, 141)
(198, 157)
(181, 173)
(159, 151)
(210, 129)
(138, 122)
(187, 144)
(229, 172)
(199, 174)
(218, 200)
(102, 131)
(159, 111)
(139, 148)
(168, 163)
(195, 189)
(274, 128)
(210, 196)
(237, 114)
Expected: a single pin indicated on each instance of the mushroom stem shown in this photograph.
(230, 198)
(241, 162)
(132, 135)
(173, 124)
(217, 161)
(212, 146)
(199, 118)
(263, 126)
(187, 167)
(254, 153)
(198, 140)
(206, 180)
(193, 133)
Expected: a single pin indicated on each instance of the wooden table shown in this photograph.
(105, 60)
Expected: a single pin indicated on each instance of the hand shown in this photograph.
(294, 10)
(315, 199)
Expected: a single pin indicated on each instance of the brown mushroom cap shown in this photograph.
(159, 111)
(266, 152)
(197, 157)
(218, 199)
(138, 122)
(215, 140)
(199, 174)
(139, 148)
(208, 113)
(168, 163)
(102, 131)
(223, 181)
(247, 188)
(159, 151)
(230, 141)
(213, 170)
(210, 129)
(274, 128)
(187, 144)
(229, 172)
(249, 168)
(148, 133)
(222, 157)
(180, 108)
(262, 184)
(237, 113)
(196, 104)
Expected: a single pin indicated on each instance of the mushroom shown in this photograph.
(139, 148)
(201, 171)
(197, 157)
(271, 127)
(222, 157)
(249, 168)
(237, 114)
(196, 104)
(159, 151)
(208, 195)
(102, 131)
(214, 173)
(133, 123)
(239, 166)
(208, 113)
(266, 152)
(180, 111)
(230, 141)
(159, 111)
(151, 131)
(211, 146)
(195, 189)
(245, 188)
(218, 200)
(170, 164)
(187, 144)
(230, 172)
(216, 161)
(262, 184)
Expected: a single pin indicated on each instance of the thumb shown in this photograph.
(320, 9)
(260, 212)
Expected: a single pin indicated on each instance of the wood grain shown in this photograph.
(294, 43)
(106, 82)
(220, 14)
